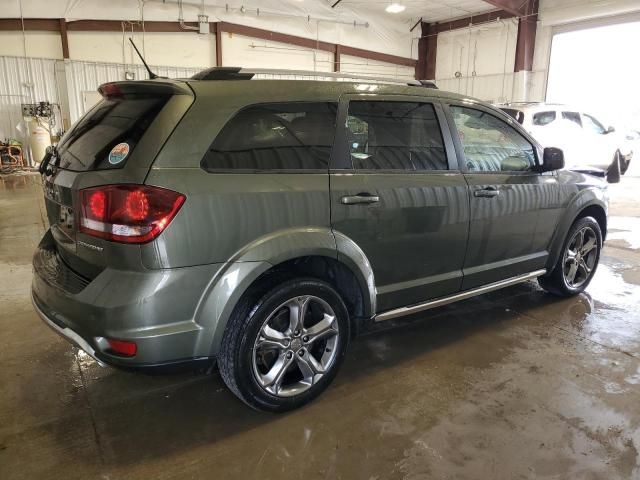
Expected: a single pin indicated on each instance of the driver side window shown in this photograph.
(490, 144)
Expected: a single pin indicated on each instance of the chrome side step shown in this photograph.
(438, 302)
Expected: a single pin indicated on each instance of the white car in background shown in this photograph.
(587, 145)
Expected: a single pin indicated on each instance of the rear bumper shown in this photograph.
(156, 309)
(66, 333)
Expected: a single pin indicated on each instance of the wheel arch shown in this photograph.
(588, 203)
(312, 252)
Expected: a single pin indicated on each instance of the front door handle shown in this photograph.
(488, 192)
(361, 198)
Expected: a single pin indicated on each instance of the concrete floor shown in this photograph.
(514, 384)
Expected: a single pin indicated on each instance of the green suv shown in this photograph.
(263, 223)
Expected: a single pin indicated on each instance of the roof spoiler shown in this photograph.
(151, 87)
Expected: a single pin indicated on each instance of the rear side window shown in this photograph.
(105, 137)
(282, 136)
(395, 136)
(543, 118)
(573, 117)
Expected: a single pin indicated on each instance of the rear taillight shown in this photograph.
(127, 213)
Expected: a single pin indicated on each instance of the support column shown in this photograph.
(336, 57)
(427, 51)
(64, 38)
(525, 45)
(218, 44)
(62, 88)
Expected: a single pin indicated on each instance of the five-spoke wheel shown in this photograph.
(578, 259)
(284, 343)
(296, 345)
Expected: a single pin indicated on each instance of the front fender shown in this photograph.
(250, 262)
(586, 197)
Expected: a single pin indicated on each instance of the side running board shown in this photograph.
(438, 302)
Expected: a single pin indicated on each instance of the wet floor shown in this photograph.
(512, 385)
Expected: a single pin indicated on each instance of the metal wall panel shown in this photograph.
(23, 80)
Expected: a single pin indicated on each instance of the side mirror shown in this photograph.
(552, 159)
(610, 129)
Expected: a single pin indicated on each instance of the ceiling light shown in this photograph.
(395, 8)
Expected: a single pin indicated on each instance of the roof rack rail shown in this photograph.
(239, 73)
(222, 73)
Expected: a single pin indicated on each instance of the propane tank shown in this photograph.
(39, 140)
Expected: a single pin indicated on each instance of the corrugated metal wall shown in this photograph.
(33, 80)
(23, 80)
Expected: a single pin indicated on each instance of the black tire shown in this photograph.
(556, 282)
(614, 172)
(236, 358)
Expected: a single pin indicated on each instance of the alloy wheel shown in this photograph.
(296, 345)
(580, 257)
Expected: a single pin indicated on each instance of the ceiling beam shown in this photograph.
(515, 7)
(59, 25)
(472, 20)
(37, 24)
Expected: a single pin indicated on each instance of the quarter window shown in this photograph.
(491, 145)
(284, 136)
(395, 136)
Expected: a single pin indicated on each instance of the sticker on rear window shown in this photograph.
(118, 153)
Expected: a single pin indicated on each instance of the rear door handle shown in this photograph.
(488, 192)
(361, 198)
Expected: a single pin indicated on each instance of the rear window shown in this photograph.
(107, 135)
(282, 136)
(543, 118)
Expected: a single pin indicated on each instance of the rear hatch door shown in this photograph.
(113, 143)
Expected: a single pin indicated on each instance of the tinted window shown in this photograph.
(284, 136)
(573, 117)
(592, 124)
(491, 145)
(543, 118)
(112, 121)
(395, 136)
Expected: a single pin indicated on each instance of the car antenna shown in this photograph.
(151, 74)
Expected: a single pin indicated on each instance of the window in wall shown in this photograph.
(395, 136)
(283, 136)
(491, 145)
(543, 118)
(573, 117)
(592, 125)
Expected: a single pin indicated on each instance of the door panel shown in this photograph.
(397, 197)
(415, 235)
(506, 234)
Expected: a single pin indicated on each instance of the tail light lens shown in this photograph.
(127, 213)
